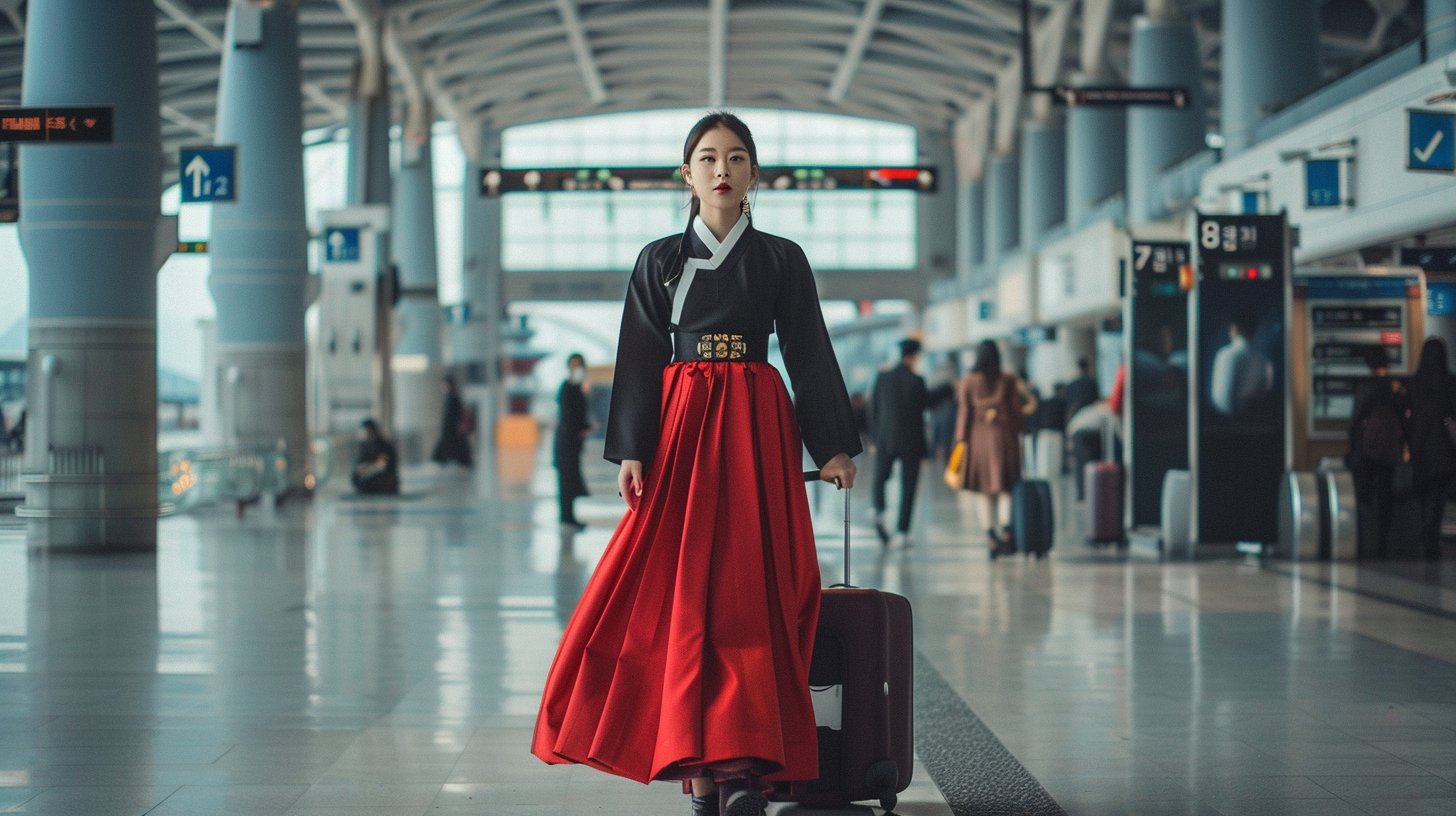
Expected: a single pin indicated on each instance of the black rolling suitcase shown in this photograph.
(1032, 523)
(862, 680)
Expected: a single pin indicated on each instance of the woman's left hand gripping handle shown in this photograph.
(839, 471)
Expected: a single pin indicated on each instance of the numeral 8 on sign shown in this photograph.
(1210, 236)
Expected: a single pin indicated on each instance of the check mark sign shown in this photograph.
(1425, 155)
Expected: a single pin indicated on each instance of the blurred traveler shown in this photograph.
(456, 426)
(1091, 430)
(897, 431)
(1083, 390)
(1432, 455)
(573, 425)
(17, 434)
(1377, 444)
(377, 471)
(1242, 375)
(991, 416)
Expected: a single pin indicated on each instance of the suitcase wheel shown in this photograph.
(884, 776)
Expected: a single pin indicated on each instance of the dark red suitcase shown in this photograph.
(862, 680)
(1103, 483)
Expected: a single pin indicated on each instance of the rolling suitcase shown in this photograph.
(861, 679)
(1032, 524)
(1104, 502)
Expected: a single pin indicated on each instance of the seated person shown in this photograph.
(378, 469)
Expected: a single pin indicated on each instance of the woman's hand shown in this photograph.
(629, 482)
(839, 471)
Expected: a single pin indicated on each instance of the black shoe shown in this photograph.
(882, 533)
(705, 805)
(573, 524)
(739, 797)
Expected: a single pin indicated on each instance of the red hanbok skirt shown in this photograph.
(688, 654)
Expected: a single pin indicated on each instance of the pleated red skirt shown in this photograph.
(688, 654)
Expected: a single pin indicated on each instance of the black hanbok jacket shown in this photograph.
(762, 285)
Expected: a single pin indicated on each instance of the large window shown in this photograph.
(839, 229)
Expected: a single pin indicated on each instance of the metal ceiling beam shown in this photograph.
(717, 53)
(864, 30)
(181, 119)
(184, 14)
(576, 36)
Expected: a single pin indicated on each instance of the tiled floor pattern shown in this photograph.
(386, 657)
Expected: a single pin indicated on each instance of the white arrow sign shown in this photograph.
(199, 171)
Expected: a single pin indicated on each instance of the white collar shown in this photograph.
(692, 265)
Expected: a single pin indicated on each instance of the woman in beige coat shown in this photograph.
(992, 406)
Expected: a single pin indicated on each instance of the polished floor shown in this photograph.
(385, 657)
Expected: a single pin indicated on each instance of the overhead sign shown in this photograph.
(192, 246)
(341, 245)
(61, 124)
(1432, 141)
(1431, 259)
(1322, 183)
(495, 181)
(208, 174)
(1120, 97)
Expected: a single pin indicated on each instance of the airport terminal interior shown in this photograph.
(323, 331)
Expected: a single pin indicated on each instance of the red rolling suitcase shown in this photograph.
(861, 678)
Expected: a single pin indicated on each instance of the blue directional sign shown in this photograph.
(1441, 298)
(1432, 141)
(208, 174)
(1321, 183)
(341, 244)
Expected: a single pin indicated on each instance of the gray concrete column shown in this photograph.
(417, 353)
(1270, 58)
(89, 230)
(475, 343)
(259, 242)
(970, 229)
(1003, 208)
(1043, 179)
(1096, 158)
(1440, 28)
(936, 212)
(1164, 53)
(369, 182)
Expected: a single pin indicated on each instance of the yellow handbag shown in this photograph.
(955, 474)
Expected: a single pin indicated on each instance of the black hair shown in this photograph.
(910, 346)
(714, 119)
(575, 355)
(988, 361)
(1432, 377)
(1246, 323)
(1377, 357)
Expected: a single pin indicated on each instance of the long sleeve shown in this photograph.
(821, 401)
(644, 348)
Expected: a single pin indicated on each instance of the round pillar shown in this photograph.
(970, 228)
(1003, 212)
(260, 241)
(89, 227)
(1096, 158)
(1440, 28)
(417, 370)
(1164, 53)
(1043, 180)
(1270, 57)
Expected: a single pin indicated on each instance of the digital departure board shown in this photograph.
(67, 124)
(497, 181)
(1348, 317)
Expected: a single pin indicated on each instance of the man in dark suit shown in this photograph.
(897, 431)
(1082, 391)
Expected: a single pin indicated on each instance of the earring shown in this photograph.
(746, 208)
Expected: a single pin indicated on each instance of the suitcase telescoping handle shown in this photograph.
(814, 476)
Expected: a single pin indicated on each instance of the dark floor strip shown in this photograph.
(974, 771)
(1415, 606)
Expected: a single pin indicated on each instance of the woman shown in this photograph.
(1433, 459)
(572, 427)
(454, 444)
(688, 655)
(992, 405)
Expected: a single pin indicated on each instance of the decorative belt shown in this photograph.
(719, 347)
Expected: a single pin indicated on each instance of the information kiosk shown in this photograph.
(1239, 445)
(1155, 317)
(351, 381)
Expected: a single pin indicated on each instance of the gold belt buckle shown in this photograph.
(714, 347)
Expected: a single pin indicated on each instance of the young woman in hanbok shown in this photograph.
(688, 655)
